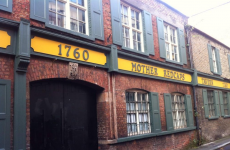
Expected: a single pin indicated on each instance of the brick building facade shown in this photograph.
(78, 74)
(210, 58)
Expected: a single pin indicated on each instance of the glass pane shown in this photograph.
(52, 5)
(125, 21)
(127, 43)
(81, 15)
(128, 118)
(61, 21)
(139, 46)
(73, 12)
(138, 96)
(141, 119)
(125, 11)
(138, 25)
(134, 35)
(133, 23)
(137, 16)
(127, 32)
(52, 18)
(81, 2)
(132, 14)
(139, 106)
(144, 106)
(127, 107)
(74, 1)
(133, 118)
(73, 25)
(138, 37)
(134, 45)
(143, 97)
(60, 8)
(132, 106)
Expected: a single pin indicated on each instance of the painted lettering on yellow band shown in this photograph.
(46, 46)
(5, 39)
(214, 83)
(137, 67)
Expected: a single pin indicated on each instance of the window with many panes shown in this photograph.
(211, 104)
(178, 111)
(171, 43)
(225, 97)
(214, 59)
(137, 109)
(131, 28)
(69, 14)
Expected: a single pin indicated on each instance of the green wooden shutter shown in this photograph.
(116, 22)
(182, 49)
(189, 111)
(228, 96)
(161, 38)
(148, 32)
(205, 98)
(210, 57)
(6, 5)
(5, 114)
(217, 107)
(168, 111)
(218, 61)
(39, 10)
(97, 19)
(229, 62)
(155, 113)
(221, 103)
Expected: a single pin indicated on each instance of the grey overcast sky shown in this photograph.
(214, 22)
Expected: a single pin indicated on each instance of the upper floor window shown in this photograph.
(138, 116)
(214, 59)
(69, 14)
(131, 28)
(178, 111)
(171, 43)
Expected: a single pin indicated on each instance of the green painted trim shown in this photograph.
(135, 51)
(9, 8)
(195, 78)
(9, 22)
(131, 138)
(152, 62)
(152, 77)
(226, 116)
(69, 60)
(42, 32)
(113, 59)
(209, 76)
(213, 118)
(213, 87)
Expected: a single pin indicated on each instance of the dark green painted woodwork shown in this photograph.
(155, 117)
(113, 60)
(216, 99)
(228, 96)
(209, 76)
(168, 111)
(218, 63)
(161, 38)
(142, 136)
(194, 78)
(8, 22)
(5, 86)
(116, 22)
(210, 57)
(148, 32)
(205, 99)
(221, 103)
(21, 63)
(39, 10)
(182, 48)
(97, 19)
(6, 5)
(189, 111)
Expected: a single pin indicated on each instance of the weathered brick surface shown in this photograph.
(200, 54)
(211, 129)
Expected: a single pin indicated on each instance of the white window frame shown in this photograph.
(131, 29)
(137, 112)
(179, 111)
(169, 52)
(68, 3)
(215, 69)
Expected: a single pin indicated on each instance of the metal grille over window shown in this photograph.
(171, 43)
(137, 109)
(211, 104)
(178, 112)
(225, 103)
(131, 28)
(69, 14)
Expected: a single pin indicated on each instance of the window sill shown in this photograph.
(131, 138)
(175, 62)
(227, 116)
(216, 73)
(70, 31)
(213, 118)
(134, 51)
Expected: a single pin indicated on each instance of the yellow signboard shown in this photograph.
(137, 67)
(45, 46)
(5, 39)
(214, 83)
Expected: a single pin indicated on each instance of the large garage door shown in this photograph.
(63, 116)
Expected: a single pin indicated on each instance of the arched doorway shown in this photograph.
(63, 116)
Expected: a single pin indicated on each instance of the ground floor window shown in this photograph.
(211, 104)
(225, 97)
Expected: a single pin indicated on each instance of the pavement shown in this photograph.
(222, 144)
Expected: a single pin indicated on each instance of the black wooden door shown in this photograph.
(63, 116)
